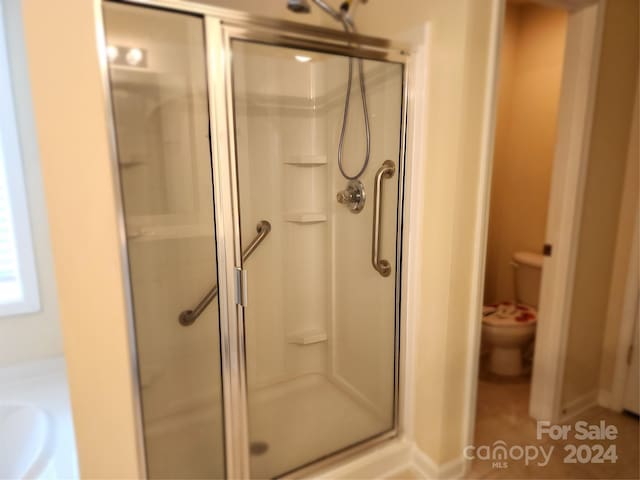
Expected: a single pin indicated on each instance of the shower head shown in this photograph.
(299, 6)
(344, 17)
(304, 6)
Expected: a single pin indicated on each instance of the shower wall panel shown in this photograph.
(281, 146)
(364, 302)
(320, 320)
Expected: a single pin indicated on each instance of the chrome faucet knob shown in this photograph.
(343, 197)
(353, 196)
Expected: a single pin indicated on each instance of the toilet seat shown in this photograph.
(507, 314)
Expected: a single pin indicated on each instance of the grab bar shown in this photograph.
(387, 170)
(187, 317)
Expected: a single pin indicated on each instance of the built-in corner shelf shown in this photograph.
(306, 160)
(168, 232)
(307, 337)
(306, 217)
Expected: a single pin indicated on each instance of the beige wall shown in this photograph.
(275, 9)
(458, 66)
(617, 83)
(37, 335)
(464, 316)
(530, 79)
(70, 119)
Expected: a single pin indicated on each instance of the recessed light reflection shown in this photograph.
(302, 58)
(134, 56)
(112, 52)
(127, 56)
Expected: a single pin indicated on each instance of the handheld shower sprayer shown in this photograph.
(342, 16)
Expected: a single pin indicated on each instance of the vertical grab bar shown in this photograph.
(387, 170)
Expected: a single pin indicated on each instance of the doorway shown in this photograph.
(530, 83)
(506, 401)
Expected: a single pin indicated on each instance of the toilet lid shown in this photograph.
(511, 314)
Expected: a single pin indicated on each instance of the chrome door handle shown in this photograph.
(387, 170)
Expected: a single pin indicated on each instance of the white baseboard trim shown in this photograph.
(579, 405)
(380, 462)
(427, 468)
(391, 459)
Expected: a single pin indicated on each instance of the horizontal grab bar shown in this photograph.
(187, 317)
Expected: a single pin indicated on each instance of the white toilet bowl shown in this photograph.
(509, 328)
(507, 332)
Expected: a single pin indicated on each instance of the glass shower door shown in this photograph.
(321, 325)
(158, 79)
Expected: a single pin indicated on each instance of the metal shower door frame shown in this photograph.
(220, 34)
(221, 27)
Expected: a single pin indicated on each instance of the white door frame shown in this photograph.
(627, 325)
(569, 171)
(575, 114)
(629, 213)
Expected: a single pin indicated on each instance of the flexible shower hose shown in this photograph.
(349, 27)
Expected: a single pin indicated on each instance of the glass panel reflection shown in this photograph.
(158, 80)
(320, 328)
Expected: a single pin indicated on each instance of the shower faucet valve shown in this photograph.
(353, 197)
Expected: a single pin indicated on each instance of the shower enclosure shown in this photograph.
(265, 286)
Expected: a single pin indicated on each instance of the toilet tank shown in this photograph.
(528, 272)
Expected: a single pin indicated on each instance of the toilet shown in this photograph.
(508, 328)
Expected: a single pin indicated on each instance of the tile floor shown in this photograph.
(502, 414)
(408, 474)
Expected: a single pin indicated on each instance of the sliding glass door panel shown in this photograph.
(320, 324)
